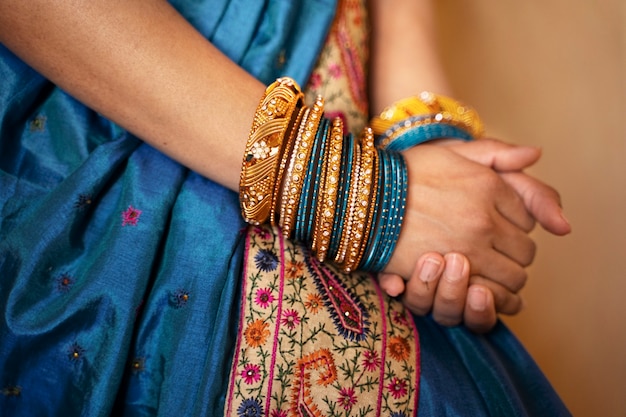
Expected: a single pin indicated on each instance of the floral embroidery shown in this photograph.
(75, 352)
(266, 260)
(179, 298)
(130, 216)
(347, 398)
(294, 269)
(397, 387)
(371, 360)
(138, 365)
(290, 319)
(256, 334)
(399, 348)
(302, 355)
(313, 303)
(315, 82)
(400, 318)
(82, 201)
(250, 408)
(251, 373)
(64, 283)
(264, 297)
(38, 124)
(334, 70)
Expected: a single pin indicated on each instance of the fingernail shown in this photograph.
(454, 267)
(478, 299)
(429, 270)
(565, 219)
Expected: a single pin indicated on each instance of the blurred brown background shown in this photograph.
(551, 73)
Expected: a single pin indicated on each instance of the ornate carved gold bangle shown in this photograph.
(265, 148)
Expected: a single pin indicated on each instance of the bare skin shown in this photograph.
(143, 66)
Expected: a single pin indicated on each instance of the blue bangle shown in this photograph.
(304, 219)
(425, 133)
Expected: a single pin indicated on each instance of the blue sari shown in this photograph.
(120, 270)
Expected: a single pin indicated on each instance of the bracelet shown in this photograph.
(425, 117)
(344, 198)
(263, 157)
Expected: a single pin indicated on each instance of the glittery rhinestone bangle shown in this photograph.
(326, 210)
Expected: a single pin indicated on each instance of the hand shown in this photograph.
(441, 285)
(457, 205)
(541, 201)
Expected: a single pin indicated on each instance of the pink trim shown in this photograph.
(242, 311)
(418, 362)
(383, 353)
(279, 311)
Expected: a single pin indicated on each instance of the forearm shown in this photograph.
(142, 65)
(404, 59)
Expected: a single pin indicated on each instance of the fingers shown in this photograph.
(441, 285)
(480, 312)
(392, 284)
(497, 155)
(542, 201)
(449, 302)
(422, 284)
(505, 300)
(514, 243)
(510, 205)
(499, 268)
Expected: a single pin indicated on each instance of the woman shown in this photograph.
(121, 269)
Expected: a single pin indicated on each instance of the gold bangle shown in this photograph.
(290, 143)
(368, 140)
(360, 215)
(292, 190)
(353, 194)
(325, 213)
(265, 148)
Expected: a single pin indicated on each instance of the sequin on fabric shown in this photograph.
(314, 341)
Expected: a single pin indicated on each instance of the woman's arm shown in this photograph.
(142, 65)
(404, 58)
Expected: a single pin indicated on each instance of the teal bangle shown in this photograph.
(304, 220)
(416, 130)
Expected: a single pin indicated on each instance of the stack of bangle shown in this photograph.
(425, 117)
(343, 197)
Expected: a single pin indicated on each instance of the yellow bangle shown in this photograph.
(265, 148)
(443, 108)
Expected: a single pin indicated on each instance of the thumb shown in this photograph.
(500, 156)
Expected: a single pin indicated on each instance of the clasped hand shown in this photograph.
(473, 203)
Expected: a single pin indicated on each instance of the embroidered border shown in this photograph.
(314, 341)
